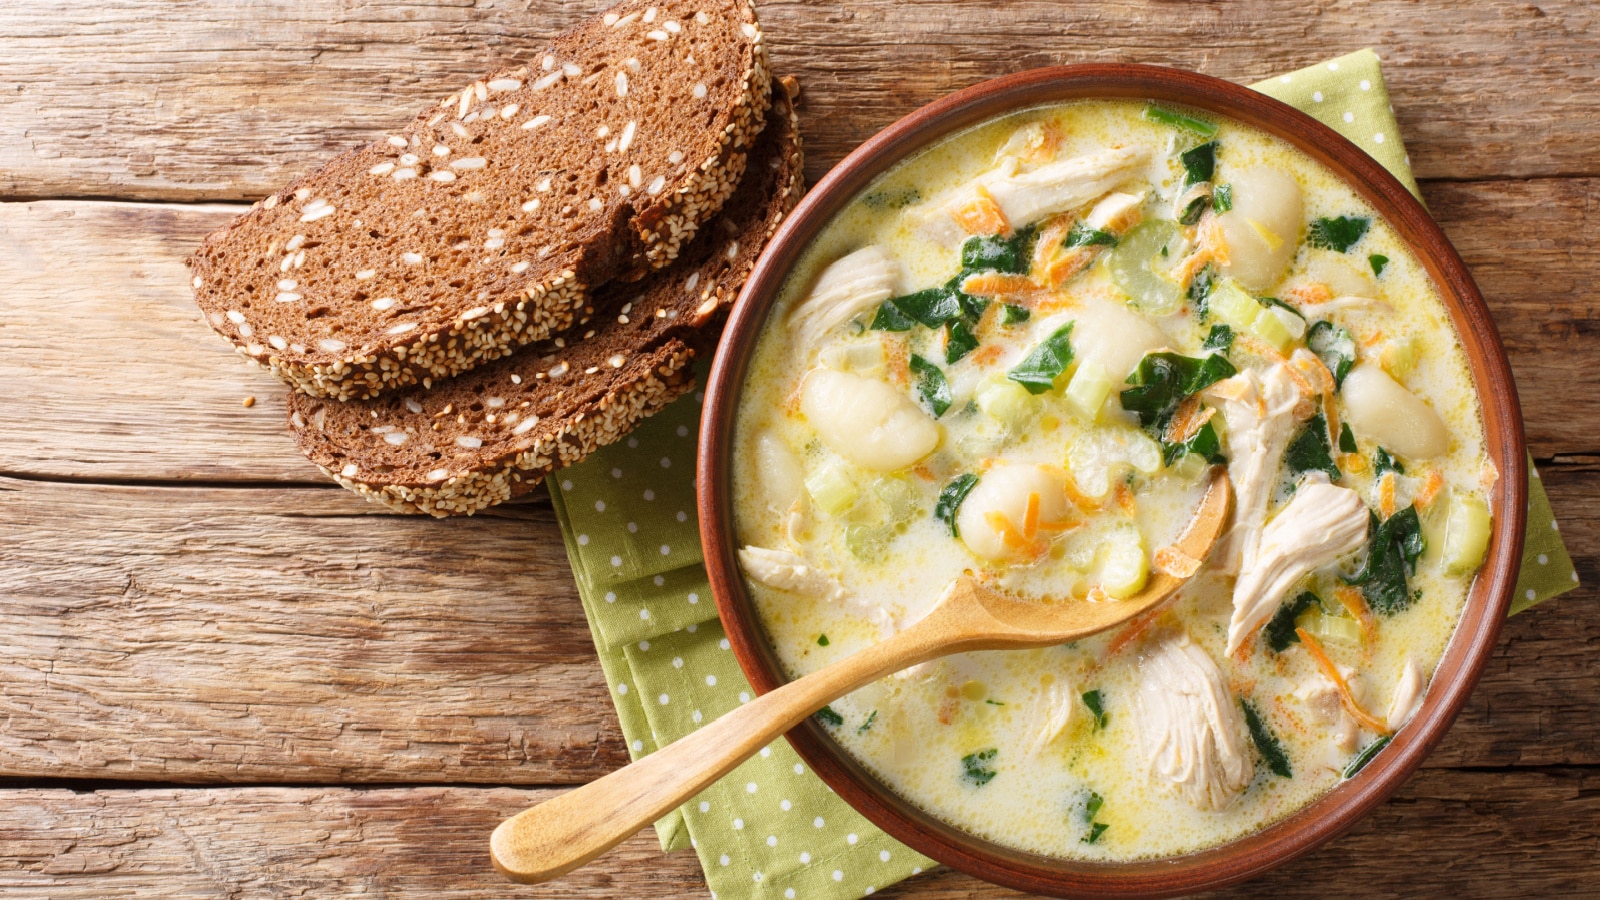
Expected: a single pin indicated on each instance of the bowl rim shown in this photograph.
(1487, 603)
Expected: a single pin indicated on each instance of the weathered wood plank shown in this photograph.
(1447, 833)
(305, 636)
(123, 380)
(228, 101)
(196, 634)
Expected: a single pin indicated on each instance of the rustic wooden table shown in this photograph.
(222, 676)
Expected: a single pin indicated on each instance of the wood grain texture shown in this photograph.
(227, 100)
(1447, 833)
(202, 634)
(101, 340)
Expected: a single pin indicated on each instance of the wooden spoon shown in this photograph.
(561, 834)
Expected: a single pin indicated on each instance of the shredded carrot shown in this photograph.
(1372, 339)
(1211, 235)
(1133, 631)
(1054, 232)
(1068, 265)
(1357, 605)
(1355, 462)
(1045, 148)
(898, 362)
(1030, 516)
(1430, 489)
(922, 471)
(1080, 499)
(987, 354)
(1000, 284)
(1125, 498)
(1189, 418)
(1174, 562)
(981, 215)
(1309, 293)
(1008, 532)
(1316, 370)
(947, 709)
(1386, 500)
(1259, 347)
(1320, 657)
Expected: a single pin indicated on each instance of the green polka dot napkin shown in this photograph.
(772, 829)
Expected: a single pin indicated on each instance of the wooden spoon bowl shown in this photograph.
(1475, 634)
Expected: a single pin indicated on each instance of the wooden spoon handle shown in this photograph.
(561, 834)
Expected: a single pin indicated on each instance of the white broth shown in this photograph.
(1019, 354)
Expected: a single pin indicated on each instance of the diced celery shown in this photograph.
(1006, 401)
(1270, 327)
(1190, 466)
(1141, 262)
(899, 498)
(831, 487)
(868, 542)
(1232, 305)
(1325, 627)
(1466, 535)
(1399, 356)
(1125, 568)
(1087, 391)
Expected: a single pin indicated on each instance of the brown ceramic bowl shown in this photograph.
(1486, 606)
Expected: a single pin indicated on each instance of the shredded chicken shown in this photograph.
(788, 571)
(852, 285)
(1407, 695)
(1025, 197)
(1259, 413)
(1314, 311)
(1321, 698)
(1189, 726)
(1321, 524)
(1049, 717)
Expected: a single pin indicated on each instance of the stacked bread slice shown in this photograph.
(558, 245)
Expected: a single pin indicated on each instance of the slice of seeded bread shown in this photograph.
(493, 433)
(486, 222)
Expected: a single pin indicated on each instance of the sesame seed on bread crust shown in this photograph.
(487, 222)
(493, 433)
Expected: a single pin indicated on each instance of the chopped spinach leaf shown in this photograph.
(1091, 806)
(1014, 315)
(971, 307)
(828, 717)
(1203, 443)
(932, 307)
(931, 385)
(1164, 116)
(1039, 370)
(1266, 742)
(1200, 287)
(1392, 551)
(891, 318)
(1199, 163)
(1347, 438)
(892, 199)
(1274, 301)
(1335, 346)
(1310, 452)
(1378, 262)
(1382, 462)
(950, 498)
(1163, 379)
(975, 767)
(1095, 831)
(1222, 198)
(1365, 756)
(1219, 339)
(1280, 631)
(994, 253)
(1190, 215)
(1082, 235)
(1339, 233)
(1097, 705)
(959, 341)
(822, 640)
(867, 725)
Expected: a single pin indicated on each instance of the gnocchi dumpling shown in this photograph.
(1012, 504)
(1262, 230)
(1380, 409)
(866, 421)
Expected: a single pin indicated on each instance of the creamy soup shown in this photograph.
(1021, 354)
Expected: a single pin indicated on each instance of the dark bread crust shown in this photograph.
(486, 223)
(467, 443)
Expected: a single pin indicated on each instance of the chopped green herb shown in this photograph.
(1378, 262)
(867, 725)
(1280, 631)
(1347, 438)
(1039, 370)
(1382, 462)
(976, 766)
(1266, 742)
(890, 318)
(1335, 346)
(959, 341)
(1392, 551)
(822, 640)
(1310, 452)
(828, 717)
(1095, 831)
(1222, 198)
(892, 199)
(1365, 756)
(993, 702)
(1339, 233)
(1082, 235)
(1199, 163)
(1096, 703)
(1219, 339)
(931, 385)
(1164, 116)
(1164, 379)
(950, 498)
(1091, 806)
(1014, 315)
(1204, 443)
